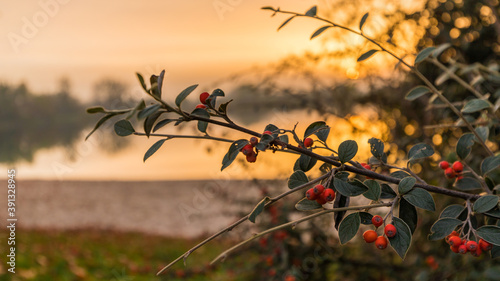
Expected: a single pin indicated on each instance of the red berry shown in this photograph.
(328, 194)
(444, 165)
(247, 149)
(381, 242)
(455, 241)
(462, 249)
(454, 249)
(377, 221)
(254, 141)
(318, 189)
(251, 157)
(370, 236)
(449, 173)
(390, 230)
(203, 97)
(310, 194)
(267, 133)
(290, 278)
(477, 252)
(368, 167)
(308, 142)
(321, 200)
(485, 246)
(202, 106)
(471, 246)
(453, 233)
(458, 167)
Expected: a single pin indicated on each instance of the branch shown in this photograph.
(240, 221)
(224, 254)
(185, 137)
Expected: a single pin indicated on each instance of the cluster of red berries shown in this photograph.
(371, 236)
(248, 150)
(462, 246)
(203, 99)
(454, 171)
(320, 194)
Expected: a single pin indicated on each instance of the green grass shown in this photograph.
(109, 255)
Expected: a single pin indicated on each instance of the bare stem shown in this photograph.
(240, 221)
(169, 136)
(481, 179)
(293, 223)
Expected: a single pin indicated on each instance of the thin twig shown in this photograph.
(169, 136)
(238, 222)
(481, 179)
(293, 223)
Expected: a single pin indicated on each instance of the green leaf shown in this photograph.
(406, 185)
(264, 142)
(347, 150)
(475, 105)
(160, 82)
(485, 203)
(347, 189)
(424, 54)
(298, 178)
(399, 174)
(493, 213)
(319, 31)
(366, 218)
(150, 121)
(489, 164)
(143, 84)
(401, 242)
(148, 111)
(420, 198)
(307, 205)
(153, 149)
(325, 168)
(268, 8)
(99, 123)
(376, 147)
(273, 129)
(200, 112)
(362, 22)
(162, 123)
(183, 95)
(349, 227)
(387, 192)
(483, 132)
(312, 12)
(284, 138)
(140, 106)
(495, 252)
(233, 151)
(367, 55)
(443, 227)
(285, 22)
(408, 213)
(452, 211)
(319, 128)
(202, 126)
(212, 99)
(341, 201)
(374, 190)
(439, 49)
(417, 92)
(124, 128)
(467, 184)
(154, 86)
(490, 233)
(258, 209)
(97, 109)
(223, 107)
(464, 145)
(419, 151)
(306, 163)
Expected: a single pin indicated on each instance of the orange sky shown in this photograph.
(88, 40)
(45, 40)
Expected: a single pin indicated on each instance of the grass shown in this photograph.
(109, 255)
